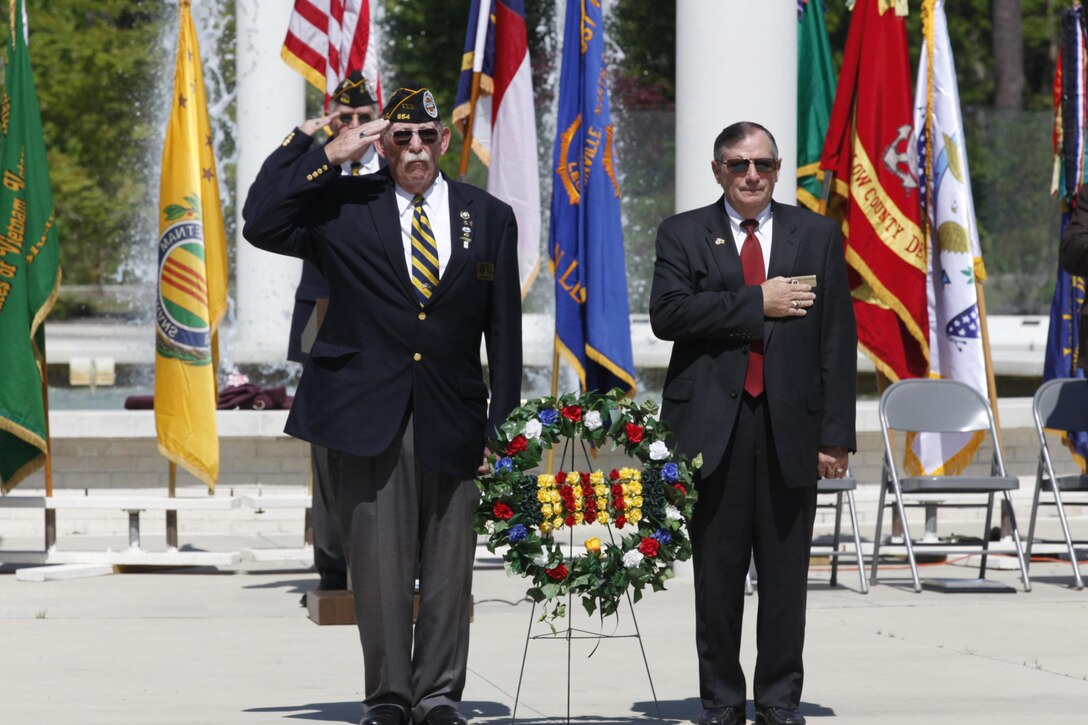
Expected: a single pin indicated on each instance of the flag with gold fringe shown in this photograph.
(955, 257)
(192, 273)
(815, 94)
(592, 320)
(29, 264)
(875, 191)
(1070, 170)
(328, 39)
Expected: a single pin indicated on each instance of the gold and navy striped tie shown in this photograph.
(424, 253)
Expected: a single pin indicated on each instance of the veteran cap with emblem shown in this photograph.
(412, 103)
(353, 91)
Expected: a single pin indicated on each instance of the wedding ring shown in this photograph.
(794, 303)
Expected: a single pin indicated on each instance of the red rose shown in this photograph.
(680, 487)
(569, 521)
(634, 433)
(619, 504)
(572, 412)
(502, 511)
(621, 521)
(585, 479)
(614, 475)
(617, 489)
(559, 573)
(517, 445)
(649, 546)
(561, 477)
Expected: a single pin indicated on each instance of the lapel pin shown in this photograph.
(719, 241)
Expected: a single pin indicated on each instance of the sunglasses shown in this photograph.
(427, 136)
(740, 166)
(363, 116)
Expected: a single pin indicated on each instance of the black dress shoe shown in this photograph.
(384, 715)
(723, 716)
(444, 715)
(778, 716)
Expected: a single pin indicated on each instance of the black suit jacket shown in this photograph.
(699, 301)
(378, 352)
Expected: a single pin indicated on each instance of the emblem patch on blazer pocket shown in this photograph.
(485, 271)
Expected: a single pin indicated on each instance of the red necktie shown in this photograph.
(751, 261)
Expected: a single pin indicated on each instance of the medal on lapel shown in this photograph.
(466, 229)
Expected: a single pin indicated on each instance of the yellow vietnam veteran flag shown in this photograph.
(192, 288)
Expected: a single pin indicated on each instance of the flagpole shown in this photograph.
(466, 144)
(550, 463)
(50, 514)
(991, 389)
(172, 514)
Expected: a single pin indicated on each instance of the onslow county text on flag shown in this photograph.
(955, 257)
(29, 264)
(328, 39)
(1070, 130)
(192, 288)
(815, 94)
(495, 96)
(875, 192)
(585, 242)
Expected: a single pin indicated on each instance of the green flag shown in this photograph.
(815, 94)
(29, 265)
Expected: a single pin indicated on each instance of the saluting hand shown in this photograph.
(783, 297)
(312, 125)
(350, 146)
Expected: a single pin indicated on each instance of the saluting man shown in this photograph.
(419, 269)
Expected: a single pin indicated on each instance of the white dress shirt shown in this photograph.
(763, 233)
(436, 204)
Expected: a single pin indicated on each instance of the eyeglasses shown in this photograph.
(740, 166)
(363, 116)
(427, 136)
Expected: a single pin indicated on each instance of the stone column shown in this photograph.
(270, 102)
(735, 61)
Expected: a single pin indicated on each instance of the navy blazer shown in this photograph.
(699, 301)
(378, 353)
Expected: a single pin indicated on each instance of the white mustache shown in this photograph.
(411, 156)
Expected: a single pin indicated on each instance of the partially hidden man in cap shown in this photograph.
(420, 268)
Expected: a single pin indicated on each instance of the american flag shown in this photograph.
(327, 39)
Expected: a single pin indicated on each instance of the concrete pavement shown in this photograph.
(233, 647)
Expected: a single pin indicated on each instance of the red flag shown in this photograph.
(876, 195)
(328, 39)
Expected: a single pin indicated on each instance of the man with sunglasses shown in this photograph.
(420, 269)
(761, 382)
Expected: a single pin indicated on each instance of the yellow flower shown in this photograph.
(597, 479)
(633, 516)
(579, 518)
(544, 480)
(602, 517)
(554, 496)
(636, 501)
(557, 522)
(546, 510)
(602, 503)
(593, 546)
(600, 489)
(635, 488)
(543, 496)
(545, 527)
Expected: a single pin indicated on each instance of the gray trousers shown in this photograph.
(399, 521)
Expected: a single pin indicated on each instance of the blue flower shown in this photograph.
(517, 533)
(670, 472)
(504, 464)
(548, 416)
(663, 536)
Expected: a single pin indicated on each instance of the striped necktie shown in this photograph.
(424, 253)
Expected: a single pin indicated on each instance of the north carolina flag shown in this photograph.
(328, 39)
(592, 322)
(1070, 129)
(495, 94)
(192, 288)
(955, 257)
(29, 264)
(875, 193)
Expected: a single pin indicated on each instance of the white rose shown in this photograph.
(659, 451)
(540, 560)
(532, 429)
(672, 513)
(489, 526)
(632, 558)
(592, 420)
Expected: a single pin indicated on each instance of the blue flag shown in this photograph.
(1063, 338)
(585, 243)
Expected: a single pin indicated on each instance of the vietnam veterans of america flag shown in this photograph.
(955, 257)
(192, 290)
(328, 39)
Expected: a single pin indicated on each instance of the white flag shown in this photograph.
(955, 258)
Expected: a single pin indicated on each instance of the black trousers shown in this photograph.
(746, 510)
(329, 557)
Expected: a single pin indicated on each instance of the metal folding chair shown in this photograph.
(1060, 404)
(941, 406)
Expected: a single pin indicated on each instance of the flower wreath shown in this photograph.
(645, 508)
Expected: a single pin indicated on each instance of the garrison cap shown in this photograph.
(353, 91)
(412, 103)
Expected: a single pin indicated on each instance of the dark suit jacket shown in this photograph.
(699, 301)
(378, 352)
(1073, 257)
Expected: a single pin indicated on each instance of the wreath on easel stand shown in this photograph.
(644, 510)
